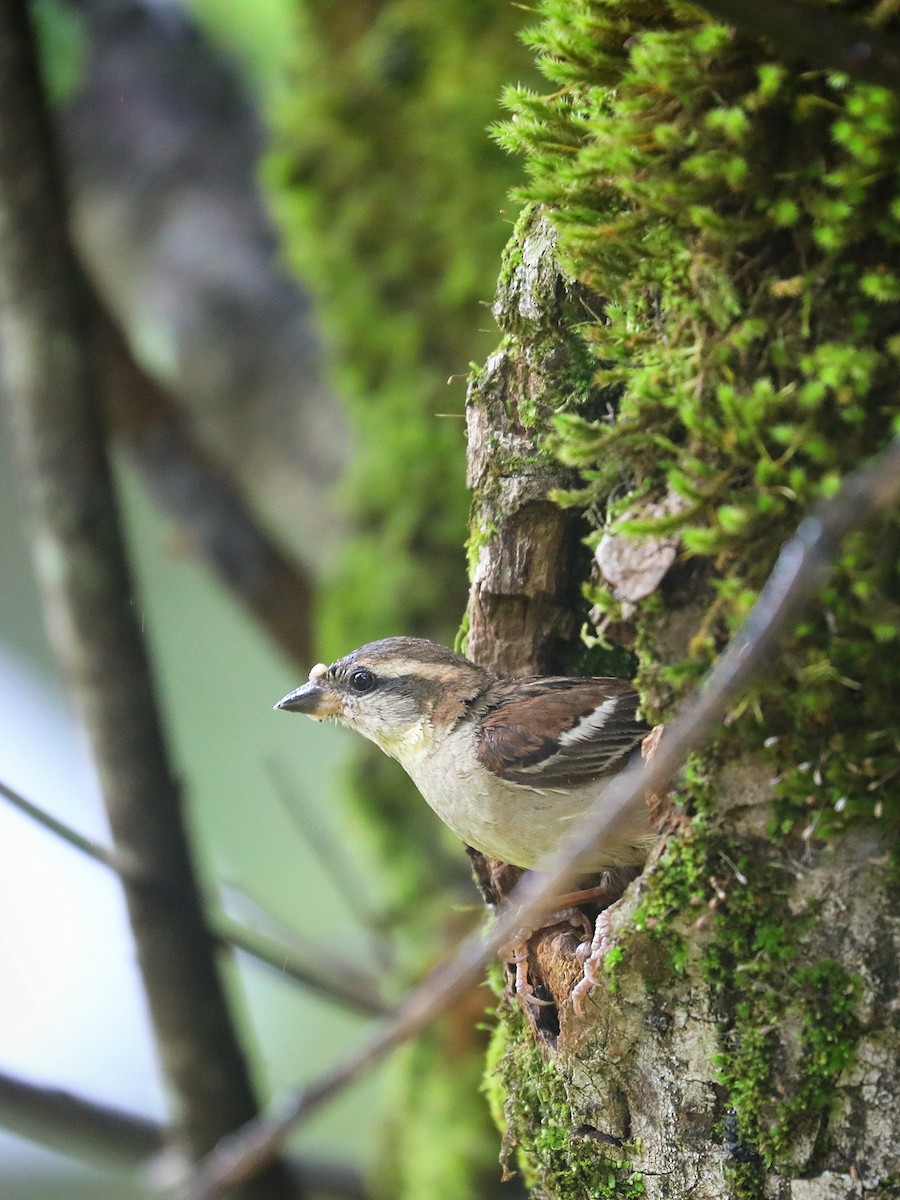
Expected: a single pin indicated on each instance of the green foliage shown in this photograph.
(259, 41)
(448, 1149)
(389, 191)
(62, 47)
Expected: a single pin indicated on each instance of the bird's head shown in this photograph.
(394, 692)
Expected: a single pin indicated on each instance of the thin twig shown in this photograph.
(95, 850)
(820, 36)
(795, 579)
(92, 1132)
(327, 977)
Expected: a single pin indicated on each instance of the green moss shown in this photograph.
(751, 942)
(821, 1000)
(673, 159)
(528, 1100)
(477, 540)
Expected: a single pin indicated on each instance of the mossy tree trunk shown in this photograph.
(744, 1038)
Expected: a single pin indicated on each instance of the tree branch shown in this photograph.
(820, 36)
(94, 1132)
(795, 579)
(60, 829)
(50, 389)
(331, 978)
(205, 501)
(71, 1125)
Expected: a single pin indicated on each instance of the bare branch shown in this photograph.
(337, 981)
(49, 386)
(93, 1132)
(795, 579)
(205, 501)
(72, 1125)
(822, 37)
(60, 829)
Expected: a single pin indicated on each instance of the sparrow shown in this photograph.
(508, 764)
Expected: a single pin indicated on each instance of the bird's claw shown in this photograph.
(517, 952)
(593, 955)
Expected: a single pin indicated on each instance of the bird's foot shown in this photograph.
(517, 951)
(593, 954)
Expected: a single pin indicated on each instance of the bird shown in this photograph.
(507, 763)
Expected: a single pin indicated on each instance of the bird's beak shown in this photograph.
(313, 700)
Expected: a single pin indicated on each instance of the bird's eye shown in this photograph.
(362, 680)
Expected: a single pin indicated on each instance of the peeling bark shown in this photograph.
(528, 553)
(523, 583)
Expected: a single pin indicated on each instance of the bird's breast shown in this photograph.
(508, 821)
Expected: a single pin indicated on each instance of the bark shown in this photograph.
(633, 1098)
(51, 391)
(524, 546)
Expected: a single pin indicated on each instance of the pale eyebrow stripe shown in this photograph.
(397, 669)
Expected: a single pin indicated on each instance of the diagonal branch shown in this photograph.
(95, 850)
(72, 1125)
(48, 381)
(333, 978)
(796, 578)
(818, 35)
(202, 497)
(329, 977)
(92, 1132)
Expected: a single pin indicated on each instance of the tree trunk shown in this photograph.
(743, 1039)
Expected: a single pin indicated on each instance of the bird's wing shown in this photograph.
(559, 732)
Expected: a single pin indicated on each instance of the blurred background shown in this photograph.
(292, 215)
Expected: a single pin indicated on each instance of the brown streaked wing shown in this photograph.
(555, 732)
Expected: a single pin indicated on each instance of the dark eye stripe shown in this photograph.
(420, 689)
